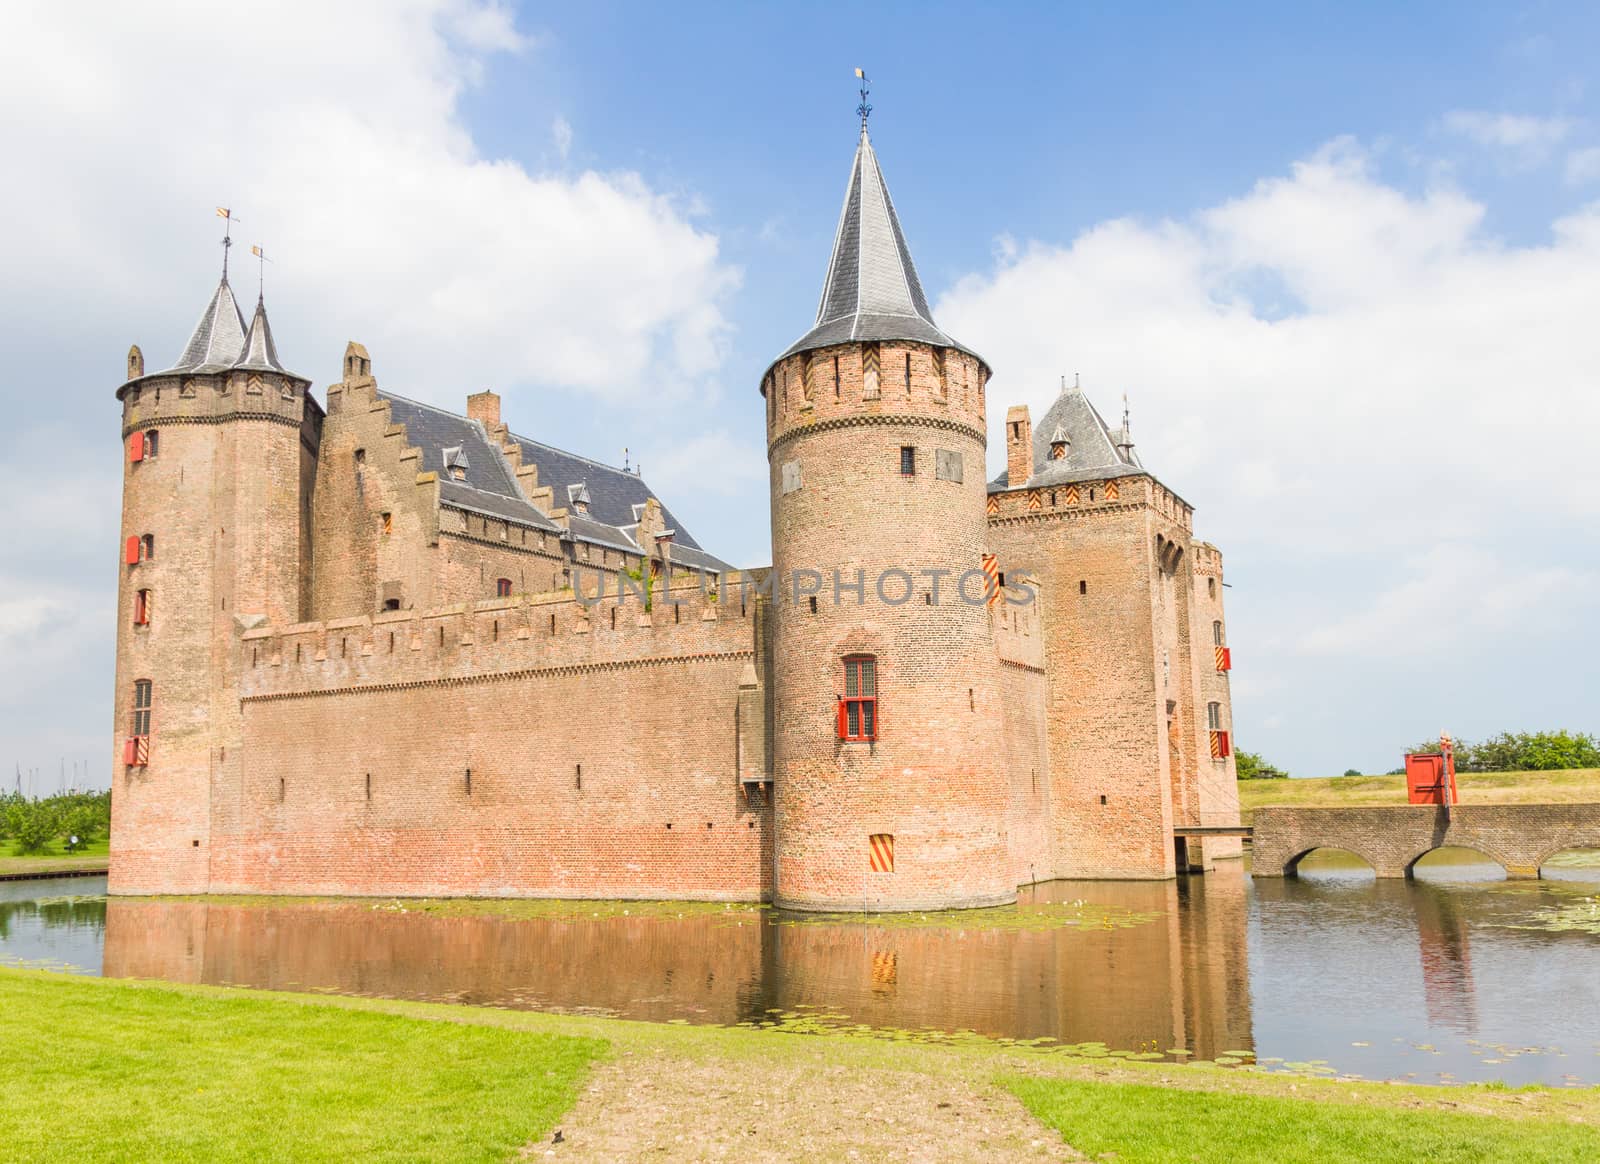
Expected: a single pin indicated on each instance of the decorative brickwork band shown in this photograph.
(837, 422)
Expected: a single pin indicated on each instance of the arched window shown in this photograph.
(147, 548)
(152, 444)
(141, 608)
(1214, 716)
(1211, 587)
(502, 587)
(1216, 632)
(858, 707)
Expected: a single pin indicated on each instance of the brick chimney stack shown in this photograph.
(1019, 445)
(485, 406)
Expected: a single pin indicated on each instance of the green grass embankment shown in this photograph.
(54, 858)
(93, 1070)
(98, 1069)
(1560, 787)
(1156, 1125)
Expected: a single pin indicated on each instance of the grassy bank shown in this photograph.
(54, 858)
(97, 1071)
(94, 1069)
(1570, 786)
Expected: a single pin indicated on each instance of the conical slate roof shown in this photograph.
(260, 353)
(218, 338)
(871, 291)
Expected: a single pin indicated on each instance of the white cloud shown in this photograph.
(1383, 414)
(334, 132)
(1509, 131)
(1583, 166)
(561, 134)
(698, 475)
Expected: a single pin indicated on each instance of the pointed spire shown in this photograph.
(259, 353)
(217, 338)
(871, 291)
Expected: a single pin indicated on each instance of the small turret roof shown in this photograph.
(871, 291)
(218, 338)
(259, 353)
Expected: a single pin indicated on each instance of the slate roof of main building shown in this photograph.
(616, 496)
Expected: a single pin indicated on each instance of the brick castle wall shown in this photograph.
(602, 747)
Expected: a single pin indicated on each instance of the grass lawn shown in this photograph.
(54, 858)
(103, 1071)
(1571, 786)
(97, 1069)
(1140, 1124)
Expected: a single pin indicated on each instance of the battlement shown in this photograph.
(161, 399)
(846, 383)
(1135, 491)
(1207, 559)
(467, 642)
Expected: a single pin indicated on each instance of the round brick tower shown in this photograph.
(890, 788)
(219, 453)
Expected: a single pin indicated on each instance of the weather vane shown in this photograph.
(227, 235)
(864, 110)
(261, 271)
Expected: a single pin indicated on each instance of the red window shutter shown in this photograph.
(1227, 658)
(136, 447)
(843, 731)
(1223, 747)
(130, 551)
(130, 751)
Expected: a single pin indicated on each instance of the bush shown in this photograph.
(1251, 766)
(1352, 771)
(1523, 752)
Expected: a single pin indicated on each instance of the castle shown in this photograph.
(381, 648)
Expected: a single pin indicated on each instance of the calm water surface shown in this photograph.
(1454, 977)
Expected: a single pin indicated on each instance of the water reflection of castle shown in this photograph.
(1178, 980)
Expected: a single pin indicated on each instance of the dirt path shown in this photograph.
(658, 1106)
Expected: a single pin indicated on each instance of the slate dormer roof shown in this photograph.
(217, 342)
(1093, 452)
(871, 291)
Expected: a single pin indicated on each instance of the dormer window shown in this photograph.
(455, 463)
(1059, 444)
(578, 497)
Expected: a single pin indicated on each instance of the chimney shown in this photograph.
(485, 406)
(1019, 446)
(135, 362)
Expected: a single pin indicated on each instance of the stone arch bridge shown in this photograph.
(1392, 838)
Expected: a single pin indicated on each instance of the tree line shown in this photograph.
(1506, 752)
(33, 825)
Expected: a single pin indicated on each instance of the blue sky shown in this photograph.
(1343, 258)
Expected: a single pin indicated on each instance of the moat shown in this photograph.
(1457, 978)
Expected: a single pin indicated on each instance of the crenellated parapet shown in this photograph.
(499, 638)
(1086, 498)
(895, 382)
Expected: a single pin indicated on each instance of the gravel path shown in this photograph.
(658, 1106)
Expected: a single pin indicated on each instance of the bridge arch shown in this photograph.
(1589, 871)
(1291, 867)
(1481, 850)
